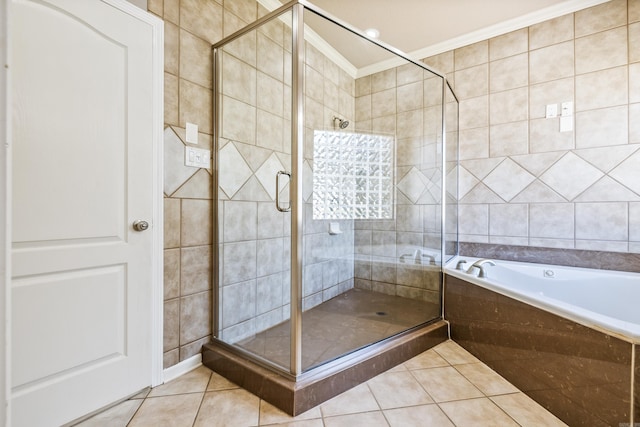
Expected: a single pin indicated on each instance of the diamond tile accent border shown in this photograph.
(482, 167)
(413, 184)
(596, 161)
(266, 174)
(570, 176)
(508, 179)
(175, 172)
(536, 164)
(627, 173)
(466, 182)
(607, 158)
(234, 171)
(607, 190)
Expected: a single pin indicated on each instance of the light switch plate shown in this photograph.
(551, 111)
(566, 124)
(197, 157)
(567, 109)
(192, 133)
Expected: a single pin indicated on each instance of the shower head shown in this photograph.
(342, 124)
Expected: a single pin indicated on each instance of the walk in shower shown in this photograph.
(331, 197)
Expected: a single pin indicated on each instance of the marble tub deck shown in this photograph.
(582, 375)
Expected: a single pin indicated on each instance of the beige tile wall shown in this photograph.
(405, 101)
(255, 130)
(524, 182)
(191, 27)
(573, 189)
(255, 124)
(328, 259)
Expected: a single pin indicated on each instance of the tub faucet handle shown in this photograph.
(403, 257)
(460, 264)
(430, 258)
(480, 265)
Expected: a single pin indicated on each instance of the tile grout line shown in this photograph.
(474, 398)
(368, 386)
(486, 396)
(136, 411)
(204, 394)
(434, 401)
(374, 395)
(502, 410)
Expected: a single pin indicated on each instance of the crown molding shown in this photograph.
(485, 34)
(447, 45)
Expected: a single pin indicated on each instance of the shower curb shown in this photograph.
(320, 385)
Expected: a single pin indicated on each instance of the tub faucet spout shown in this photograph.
(480, 265)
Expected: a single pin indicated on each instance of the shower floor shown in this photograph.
(341, 325)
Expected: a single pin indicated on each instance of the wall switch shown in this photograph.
(552, 111)
(192, 133)
(197, 157)
(567, 109)
(566, 124)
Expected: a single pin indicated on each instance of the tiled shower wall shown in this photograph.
(256, 144)
(255, 127)
(328, 259)
(191, 27)
(522, 181)
(405, 101)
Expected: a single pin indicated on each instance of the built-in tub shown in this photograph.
(566, 336)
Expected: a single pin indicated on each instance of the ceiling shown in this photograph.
(422, 27)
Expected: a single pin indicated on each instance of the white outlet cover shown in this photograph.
(551, 111)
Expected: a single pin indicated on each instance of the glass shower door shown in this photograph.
(372, 196)
(253, 89)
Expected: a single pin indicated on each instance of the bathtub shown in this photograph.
(608, 301)
(567, 337)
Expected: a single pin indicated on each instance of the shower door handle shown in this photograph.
(288, 207)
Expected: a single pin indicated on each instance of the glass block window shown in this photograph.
(352, 175)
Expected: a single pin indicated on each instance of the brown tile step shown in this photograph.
(321, 384)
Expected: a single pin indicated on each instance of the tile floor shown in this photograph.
(343, 324)
(444, 386)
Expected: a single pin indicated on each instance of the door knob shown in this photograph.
(140, 225)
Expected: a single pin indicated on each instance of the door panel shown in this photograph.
(84, 334)
(82, 174)
(92, 147)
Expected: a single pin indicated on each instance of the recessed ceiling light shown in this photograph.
(372, 32)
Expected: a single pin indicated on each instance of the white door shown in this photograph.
(83, 134)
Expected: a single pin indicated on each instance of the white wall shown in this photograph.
(3, 210)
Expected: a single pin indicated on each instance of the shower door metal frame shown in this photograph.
(445, 86)
(297, 9)
(297, 142)
(443, 205)
(297, 135)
